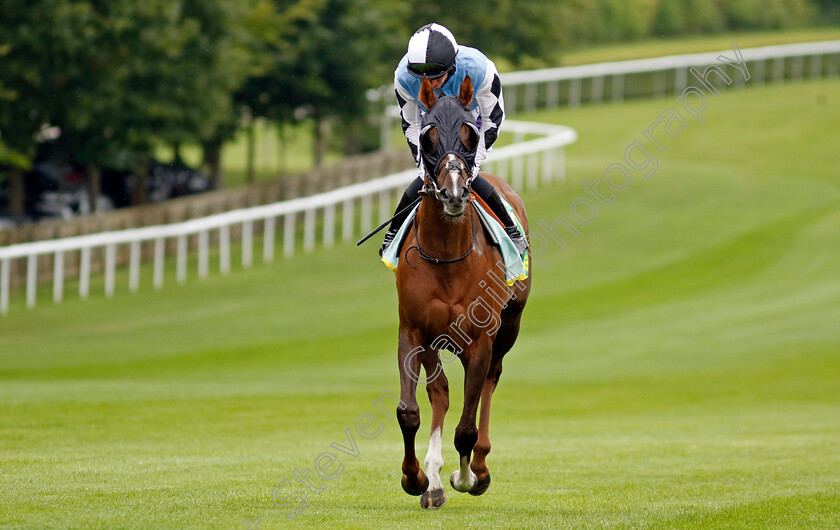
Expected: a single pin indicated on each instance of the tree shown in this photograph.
(322, 61)
(20, 118)
(513, 30)
(120, 76)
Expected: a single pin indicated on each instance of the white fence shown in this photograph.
(548, 88)
(595, 83)
(543, 157)
(613, 81)
(522, 163)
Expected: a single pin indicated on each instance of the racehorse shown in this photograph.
(448, 301)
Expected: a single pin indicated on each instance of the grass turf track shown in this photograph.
(678, 365)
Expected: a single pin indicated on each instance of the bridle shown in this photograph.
(438, 261)
(435, 192)
(451, 165)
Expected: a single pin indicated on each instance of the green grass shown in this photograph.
(694, 44)
(677, 366)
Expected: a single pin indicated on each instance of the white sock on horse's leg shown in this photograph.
(434, 497)
(434, 460)
(463, 479)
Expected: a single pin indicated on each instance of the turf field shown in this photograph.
(678, 365)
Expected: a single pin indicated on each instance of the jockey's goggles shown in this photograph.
(430, 70)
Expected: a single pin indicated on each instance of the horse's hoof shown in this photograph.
(455, 479)
(481, 486)
(415, 490)
(433, 499)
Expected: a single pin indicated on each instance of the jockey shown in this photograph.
(433, 53)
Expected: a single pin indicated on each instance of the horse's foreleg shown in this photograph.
(466, 433)
(414, 481)
(482, 446)
(437, 386)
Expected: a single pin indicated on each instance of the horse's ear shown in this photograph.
(427, 93)
(466, 94)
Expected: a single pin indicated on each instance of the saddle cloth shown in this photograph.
(516, 267)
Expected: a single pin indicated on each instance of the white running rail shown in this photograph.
(542, 157)
(595, 83)
(766, 63)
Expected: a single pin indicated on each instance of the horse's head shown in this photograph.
(448, 144)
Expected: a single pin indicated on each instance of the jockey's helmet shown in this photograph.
(431, 52)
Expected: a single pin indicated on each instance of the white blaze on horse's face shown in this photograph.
(453, 191)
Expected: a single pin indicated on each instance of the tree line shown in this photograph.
(108, 80)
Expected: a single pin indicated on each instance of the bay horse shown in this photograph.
(448, 301)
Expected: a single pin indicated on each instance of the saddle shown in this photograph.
(516, 267)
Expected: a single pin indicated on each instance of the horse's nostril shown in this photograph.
(444, 194)
(465, 193)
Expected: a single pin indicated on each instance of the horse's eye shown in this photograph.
(469, 137)
(429, 139)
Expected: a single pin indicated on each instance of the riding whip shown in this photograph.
(383, 225)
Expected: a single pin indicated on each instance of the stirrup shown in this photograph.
(389, 238)
(517, 238)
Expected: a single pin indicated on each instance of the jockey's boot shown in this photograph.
(408, 197)
(488, 193)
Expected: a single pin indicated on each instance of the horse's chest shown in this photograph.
(471, 312)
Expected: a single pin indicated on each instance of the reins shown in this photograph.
(438, 261)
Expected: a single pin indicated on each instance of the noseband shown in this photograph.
(450, 165)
